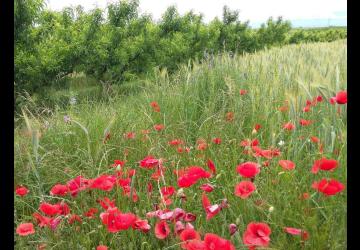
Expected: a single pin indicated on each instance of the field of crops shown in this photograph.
(243, 152)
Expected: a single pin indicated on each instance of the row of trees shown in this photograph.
(117, 44)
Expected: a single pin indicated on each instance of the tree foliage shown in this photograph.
(118, 44)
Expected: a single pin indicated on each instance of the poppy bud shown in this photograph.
(179, 227)
(232, 229)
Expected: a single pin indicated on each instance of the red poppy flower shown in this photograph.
(207, 187)
(242, 91)
(196, 245)
(213, 241)
(179, 227)
(42, 221)
(211, 166)
(124, 182)
(287, 164)
(327, 187)
(304, 196)
(324, 164)
(165, 214)
(125, 221)
(211, 210)
(201, 145)
(157, 174)
(304, 122)
(63, 208)
(186, 181)
(254, 142)
(21, 191)
(232, 229)
(258, 151)
(116, 221)
(198, 172)
(118, 163)
(131, 172)
(101, 247)
(167, 191)
(244, 189)
(179, 214)
(267, 153)
(162, 230)
(106, 203)
(73, 218)
(129, 135)
(54, 222)
(332, 100)
(159, 127)
(191, 175)
(188, 235)
(25, 229)
(257, 234)
(216, 141)
(91, 212)
(176, 142)
(306, 108)
(257, 127)
(315, 139)
(246, 143)
(149, 162)
(248, 169)
(341, 97)
(59, 189)
(155, 106)
(273, 153)
(76, 185)
(295, 231)
(103, 182)
(166, 201)
(142, 225)
(49, 209)
(289, 126)
(149, 187)
(319, 98)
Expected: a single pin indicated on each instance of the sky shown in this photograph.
(304, 13)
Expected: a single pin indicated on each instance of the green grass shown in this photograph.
(193, 105)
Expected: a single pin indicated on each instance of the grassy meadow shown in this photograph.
(194, 104)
